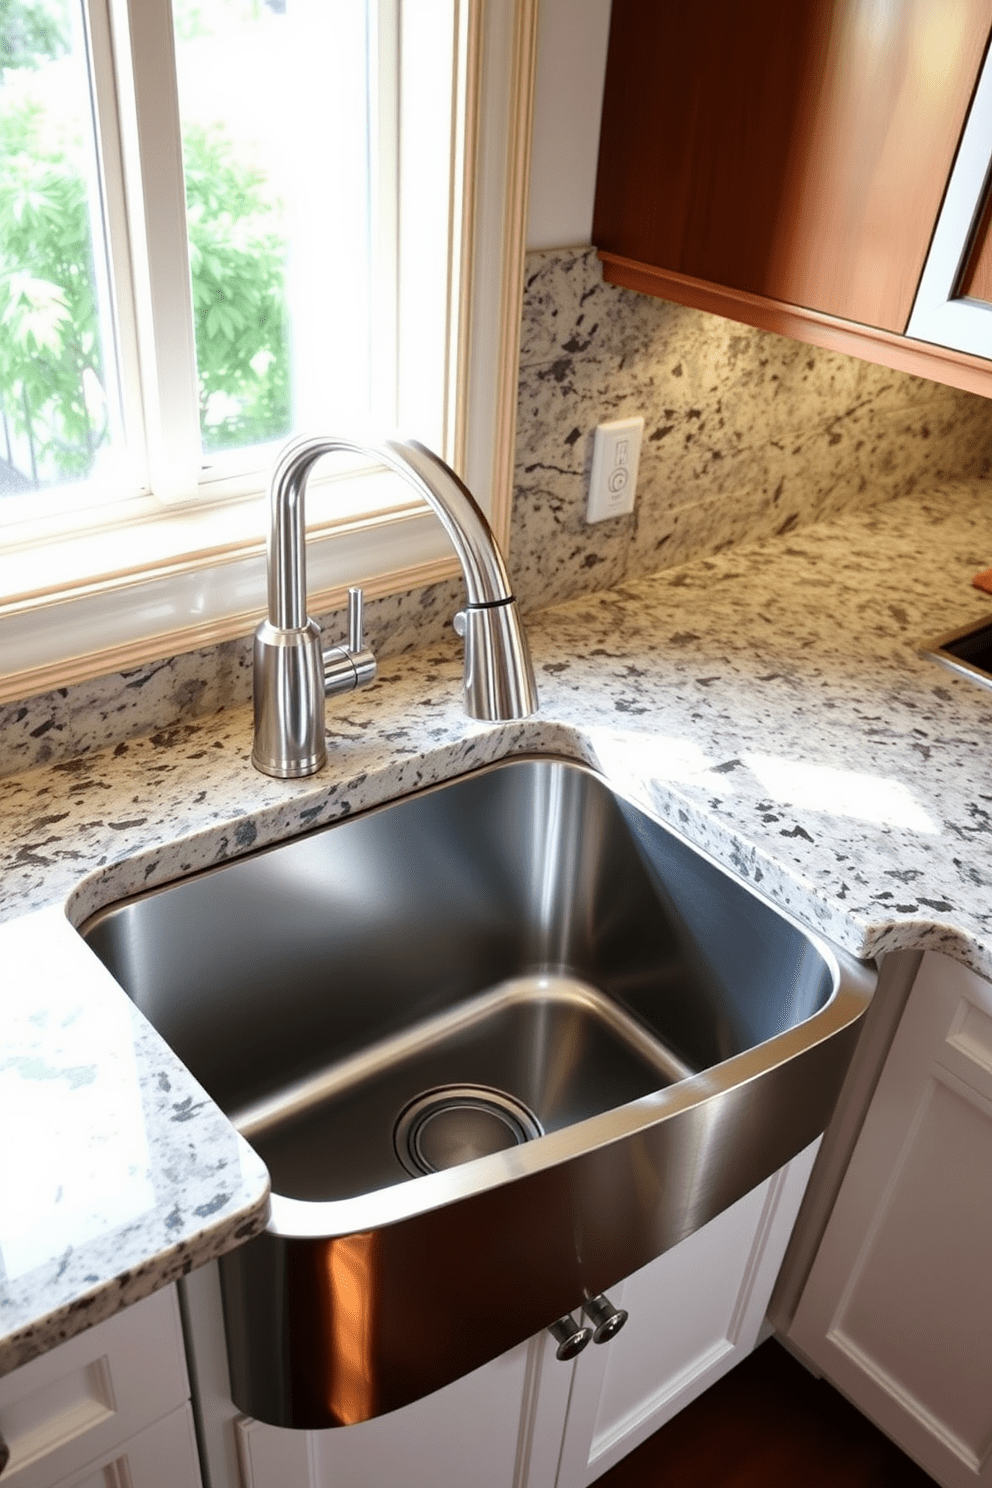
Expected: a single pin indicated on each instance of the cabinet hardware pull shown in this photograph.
(570, 1336)
(606, 1319)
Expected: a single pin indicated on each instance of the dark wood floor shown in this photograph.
(768, 1424)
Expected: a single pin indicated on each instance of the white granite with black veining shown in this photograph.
(117, 1172)
(747, 434)
(770, 697)
(769, 701)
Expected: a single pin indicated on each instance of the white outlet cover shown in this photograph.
(616, 454)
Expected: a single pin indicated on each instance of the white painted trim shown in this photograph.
(499, 227)
(63, 641)
(151, 142)
(964, 324)
(88, 623)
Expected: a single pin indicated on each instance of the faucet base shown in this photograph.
(289, 701)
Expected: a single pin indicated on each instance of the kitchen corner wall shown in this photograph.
(746, 435)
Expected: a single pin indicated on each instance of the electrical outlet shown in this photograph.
(616, 452)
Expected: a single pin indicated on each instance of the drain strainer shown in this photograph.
(453, 1124)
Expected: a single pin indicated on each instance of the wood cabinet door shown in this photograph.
(897, 1311)
(793, 149)
(693, 1313)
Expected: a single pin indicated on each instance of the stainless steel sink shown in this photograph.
(500, 1044)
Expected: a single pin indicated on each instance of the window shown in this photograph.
(277, 214)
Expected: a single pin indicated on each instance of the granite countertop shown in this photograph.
(770, 702)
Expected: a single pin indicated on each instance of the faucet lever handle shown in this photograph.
(351, 664)
(356, 607)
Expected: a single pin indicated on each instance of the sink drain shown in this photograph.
(453, 1124)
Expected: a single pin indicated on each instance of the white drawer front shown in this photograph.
(68, 1407)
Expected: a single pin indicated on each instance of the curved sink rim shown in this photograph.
(329, 1218)
(853, 985)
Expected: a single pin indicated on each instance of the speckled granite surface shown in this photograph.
(747, 434)
(769, 701)
(117, 1172)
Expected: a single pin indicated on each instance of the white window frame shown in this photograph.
(112, 592)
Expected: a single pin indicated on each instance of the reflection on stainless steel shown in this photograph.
(570, 1336)
(966, 651)
(524, 929)
(292, 676)
(350, 1318)
(606, 1319)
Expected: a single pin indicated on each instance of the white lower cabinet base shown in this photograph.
(897, 1311)
(526, 1420)
(473, 1431)
(694, 1313)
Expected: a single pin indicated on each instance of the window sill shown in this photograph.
(111, 596)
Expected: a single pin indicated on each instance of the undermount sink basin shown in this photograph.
(500, 1044)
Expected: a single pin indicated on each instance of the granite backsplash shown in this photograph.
(747, 434)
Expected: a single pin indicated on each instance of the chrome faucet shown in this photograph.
(292, 673)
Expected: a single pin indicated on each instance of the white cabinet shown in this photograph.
(109, 1407)
(694, 1313)
(946, 311)
(897, 1310)
(526, 1420)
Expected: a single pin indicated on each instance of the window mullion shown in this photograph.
(111, 254)
(384, 206)
(151, 143)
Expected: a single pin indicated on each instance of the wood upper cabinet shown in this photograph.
(785, 154)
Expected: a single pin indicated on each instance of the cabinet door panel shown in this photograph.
(92, 1392)
(694, 1312)
(898, 1307)
(499, 1427)
(795, 149)
(162, 1456)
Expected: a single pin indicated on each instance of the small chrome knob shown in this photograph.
(606, 1319)
(570, 1336)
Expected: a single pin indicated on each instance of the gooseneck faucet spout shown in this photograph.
(293, 675)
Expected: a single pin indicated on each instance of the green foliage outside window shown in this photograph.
(51, 374)
(53, 391)
(237, 266)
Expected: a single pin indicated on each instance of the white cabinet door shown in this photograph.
(897, 1311)
(693, 1313)
(499, 1427)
